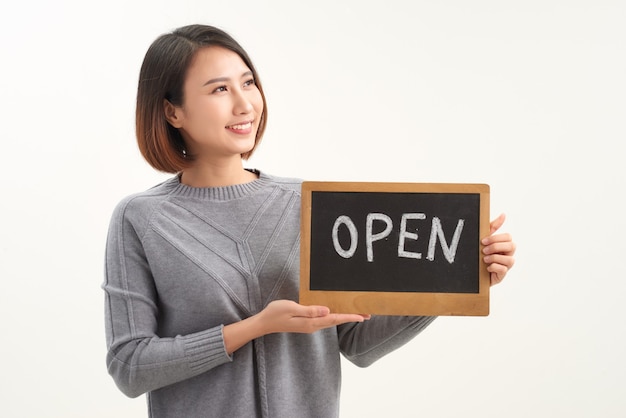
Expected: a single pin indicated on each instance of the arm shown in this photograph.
(284, 316)
(138, 359)
(363, 344)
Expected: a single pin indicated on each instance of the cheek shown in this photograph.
(205, 114)
(257, 102)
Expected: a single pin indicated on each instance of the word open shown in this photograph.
(436, 235)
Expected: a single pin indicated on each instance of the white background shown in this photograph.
(527, 96)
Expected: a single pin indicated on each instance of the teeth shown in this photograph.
(240, 127)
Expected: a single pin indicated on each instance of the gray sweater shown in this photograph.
(182, 262)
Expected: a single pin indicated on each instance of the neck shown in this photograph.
(203, 174)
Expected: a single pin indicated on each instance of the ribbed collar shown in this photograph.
(224, 193)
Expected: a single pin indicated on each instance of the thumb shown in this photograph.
(315, 311)
(496, 223)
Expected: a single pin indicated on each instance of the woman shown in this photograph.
(202, 270)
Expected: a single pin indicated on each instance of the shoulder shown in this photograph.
(289, 183)
(138, 207)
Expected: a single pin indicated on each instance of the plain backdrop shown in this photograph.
(526, 96)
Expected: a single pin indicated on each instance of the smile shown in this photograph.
(240, 127)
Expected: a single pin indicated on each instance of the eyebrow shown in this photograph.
(223, 79)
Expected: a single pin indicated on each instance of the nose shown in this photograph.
(242, 103)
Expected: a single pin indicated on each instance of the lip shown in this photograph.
(244, 127)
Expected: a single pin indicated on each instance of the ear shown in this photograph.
(173, 114)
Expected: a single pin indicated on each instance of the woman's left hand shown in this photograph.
(499, 251)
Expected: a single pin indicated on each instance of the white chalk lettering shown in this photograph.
(404, 234)
(354, 235)
(437, 232)
(370, 237)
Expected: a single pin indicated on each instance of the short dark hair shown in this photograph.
(162, 77)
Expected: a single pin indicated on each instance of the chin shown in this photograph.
(247, 147)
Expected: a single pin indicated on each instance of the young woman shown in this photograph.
(202, 270)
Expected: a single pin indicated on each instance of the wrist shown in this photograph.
(240, 333)
(258, 325)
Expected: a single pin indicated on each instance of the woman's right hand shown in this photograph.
(289, 316)
(284, 316)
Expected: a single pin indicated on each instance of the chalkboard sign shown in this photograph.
(395, 248)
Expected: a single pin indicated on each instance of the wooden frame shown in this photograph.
(395, 303)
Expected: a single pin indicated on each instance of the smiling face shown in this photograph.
(222, 106)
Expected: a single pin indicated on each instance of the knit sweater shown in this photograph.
(182, 262)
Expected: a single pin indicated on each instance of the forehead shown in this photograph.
(215, 61)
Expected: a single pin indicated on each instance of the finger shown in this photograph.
(338, 319)
(309, 325)
(310, 311)
(505, 247)
(496, 223)
(504, 260)
(495, 279)
(497, 273)
(497, 238)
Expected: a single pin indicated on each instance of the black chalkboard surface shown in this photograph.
(395, 248)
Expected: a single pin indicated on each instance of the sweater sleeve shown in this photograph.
(138, 359)
(365, 342)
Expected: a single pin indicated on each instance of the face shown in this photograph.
(222, 106)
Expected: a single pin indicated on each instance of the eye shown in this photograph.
(219, 89)
(250, 82)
